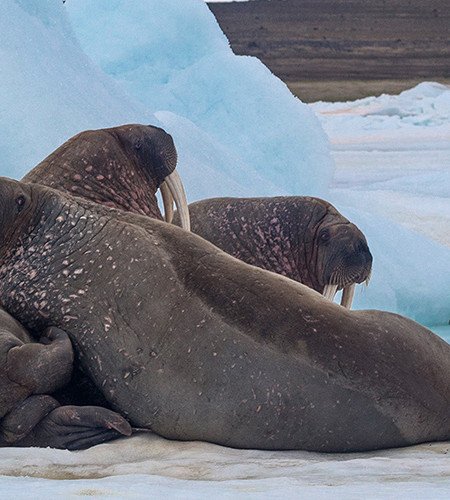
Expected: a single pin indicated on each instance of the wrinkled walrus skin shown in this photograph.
(196, 345)
(120, 167)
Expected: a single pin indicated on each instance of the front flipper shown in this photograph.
(42, 367)
(77, 428)
(20, 421)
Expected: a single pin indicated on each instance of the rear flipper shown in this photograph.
(66, 427)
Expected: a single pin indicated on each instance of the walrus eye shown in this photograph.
(324, 235)
(138, 144)
(20, 202)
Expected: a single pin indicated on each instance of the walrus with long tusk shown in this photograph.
(120, 167)
(196, 345)
(303, 238)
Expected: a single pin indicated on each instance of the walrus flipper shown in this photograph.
(76, 428)
(34, 418)
(20, 421)
(42, 367)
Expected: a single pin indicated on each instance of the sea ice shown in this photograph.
(146, 465)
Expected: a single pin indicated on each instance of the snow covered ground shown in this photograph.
(239, 132)
(151, 467)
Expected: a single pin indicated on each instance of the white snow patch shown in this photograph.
(147, 465)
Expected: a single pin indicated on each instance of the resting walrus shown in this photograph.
(120, 167)
(194, 344)
(143, 158)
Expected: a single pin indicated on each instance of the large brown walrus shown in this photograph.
(120, 167)
(98, 166)
(194, 344)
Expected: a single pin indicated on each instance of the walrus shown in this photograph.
(194, 344)
(121, 167)
(30, 371)
(301, 237)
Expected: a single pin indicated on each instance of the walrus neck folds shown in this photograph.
(40, 258)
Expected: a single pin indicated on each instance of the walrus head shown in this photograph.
(120, 167)
(16, 205)
(343, 259)
(305, 239)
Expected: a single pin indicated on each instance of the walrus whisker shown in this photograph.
(167, 201)
(330, 291)
(175, 186)
(347, 296)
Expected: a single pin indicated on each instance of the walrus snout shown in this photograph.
(346, 262)
(357, 262)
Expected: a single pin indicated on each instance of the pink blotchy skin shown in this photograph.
(303, 238)
(123, 167)
(120, 167)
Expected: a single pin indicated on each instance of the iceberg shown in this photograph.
(173, 56)
(49, 89)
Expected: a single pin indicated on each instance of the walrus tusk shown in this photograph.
(168, 202)
(329, 291)
(175, 187)
(347, 296)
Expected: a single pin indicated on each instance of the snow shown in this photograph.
(239, 132)
(149, 466)
(392, 156)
